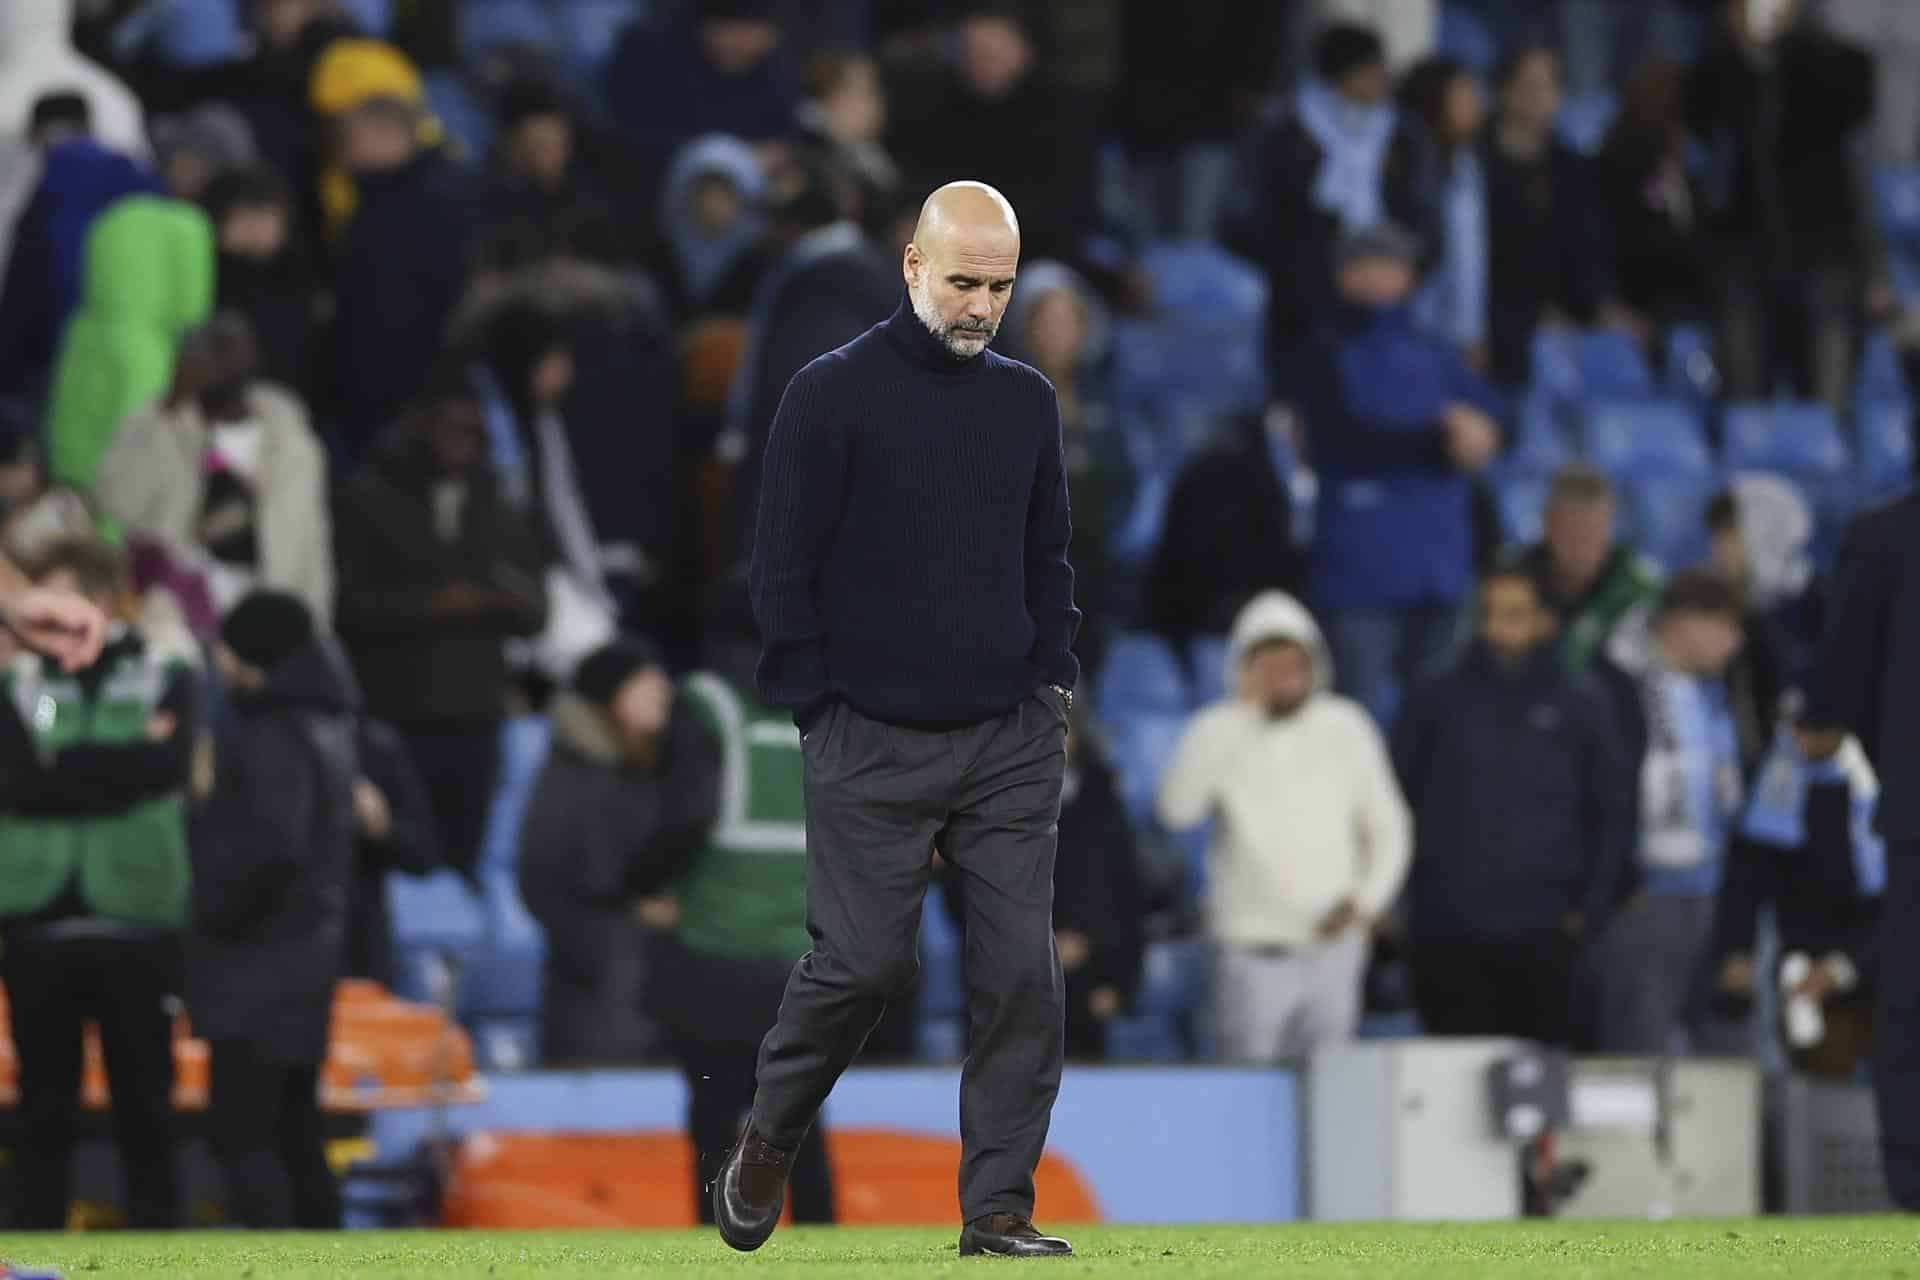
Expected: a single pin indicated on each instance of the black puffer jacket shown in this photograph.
(273, 856)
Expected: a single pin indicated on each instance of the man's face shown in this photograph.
(735, 46)
(1700, 643)
(1367, 84)
(553, 376)
(282, 21)
(1513, 623)
(1729, 554)
(1579, 536)
(857, 108)
(254, 231)
(374, 141)
(457, 436)
(994, 55)
(1533, 95)
(1376, 282)
(542, 148)
(1278, 677)
(1057, 330)
(715, 204)
(961, 297)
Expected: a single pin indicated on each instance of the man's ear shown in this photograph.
(912, 263)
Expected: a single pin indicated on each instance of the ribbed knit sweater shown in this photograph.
(911, 554)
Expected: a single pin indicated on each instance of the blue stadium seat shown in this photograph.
(505, 1043)
(506, 973)
(1465, 37)
(1540, 439)
(1665, 515)
(1556, 366)
(1692, 371)
(1884, 430)
(1140, 674)
(198, 33)
(489, 24)
(1174, 1001)
(1140, 747)
(1896, 197)
(1798, 439)
(1144, 1037)
(459, 112)
(1879, 376)
(375, 17)
(1135, 537)
(524, 741)
(439, 928)
(590, 28)
(1625, 436)
(1611, 365)
(1203, 344)
(1207, 667)
(1521, 498)
(943, 981)
(1584, 120)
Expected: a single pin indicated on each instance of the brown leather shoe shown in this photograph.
(749, 1193)
(1011, 1236)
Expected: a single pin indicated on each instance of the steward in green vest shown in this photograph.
(95, 891)
(743, 910)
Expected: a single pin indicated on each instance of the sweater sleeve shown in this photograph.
(1049, 574)
(1189, 788)
(803, 483)
(1385, 825)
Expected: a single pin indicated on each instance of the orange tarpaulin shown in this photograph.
(383, 1052)
(551, 1180)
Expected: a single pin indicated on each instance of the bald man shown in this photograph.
(915, 603)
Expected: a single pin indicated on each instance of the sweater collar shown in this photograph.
(912, 340)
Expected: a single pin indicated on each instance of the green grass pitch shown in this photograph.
(1857, 1249)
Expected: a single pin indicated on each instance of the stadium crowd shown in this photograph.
(1461, 399)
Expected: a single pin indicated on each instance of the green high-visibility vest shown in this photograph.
(131, 866)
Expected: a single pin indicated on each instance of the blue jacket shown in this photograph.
(1395, 521)
(1523, 799)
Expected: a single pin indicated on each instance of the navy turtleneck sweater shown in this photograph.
(911, 554)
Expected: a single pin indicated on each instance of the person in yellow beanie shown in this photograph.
(349, 74)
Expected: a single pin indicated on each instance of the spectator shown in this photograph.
(37, 58)
(273, 858)
(1312, 838)
(742, 908)
(540, 189)
(266, 274)
(268, 84)
(671, 81)
(395, 832)
(1652, 204)
(197, 146)
(1441, 99)
(22, 480)
(1398, 424)
(1523, 806)
(1889, 30)
(630, 792)
(1653, 973)
(147, 281)
(94, 893)
(1000, 118)
(1776, 106)
(401, 265)
(1330, 161)
(1866, 682)
(1227, 537)
(226, 474)
(436, 571)
(1191, 82)
(828, 287)
(1549, 261)
(1407, 28)
(713, 214)
(1760, 528)
(1807, 850)
(1599, 589)
(1059, 325)
(844, 117)
(79, 178)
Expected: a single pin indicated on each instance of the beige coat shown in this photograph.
(152, 482)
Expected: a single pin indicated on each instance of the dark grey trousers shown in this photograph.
(879, 801)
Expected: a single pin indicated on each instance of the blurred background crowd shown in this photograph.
(1462, 399)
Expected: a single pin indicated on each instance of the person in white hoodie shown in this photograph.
(1311, 837)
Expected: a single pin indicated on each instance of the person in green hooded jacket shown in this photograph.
(95, 890)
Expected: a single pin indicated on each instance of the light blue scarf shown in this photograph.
(1452, 303)
(1777, 816)
(1353, 144)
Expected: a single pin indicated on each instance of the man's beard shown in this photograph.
(961, 338)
